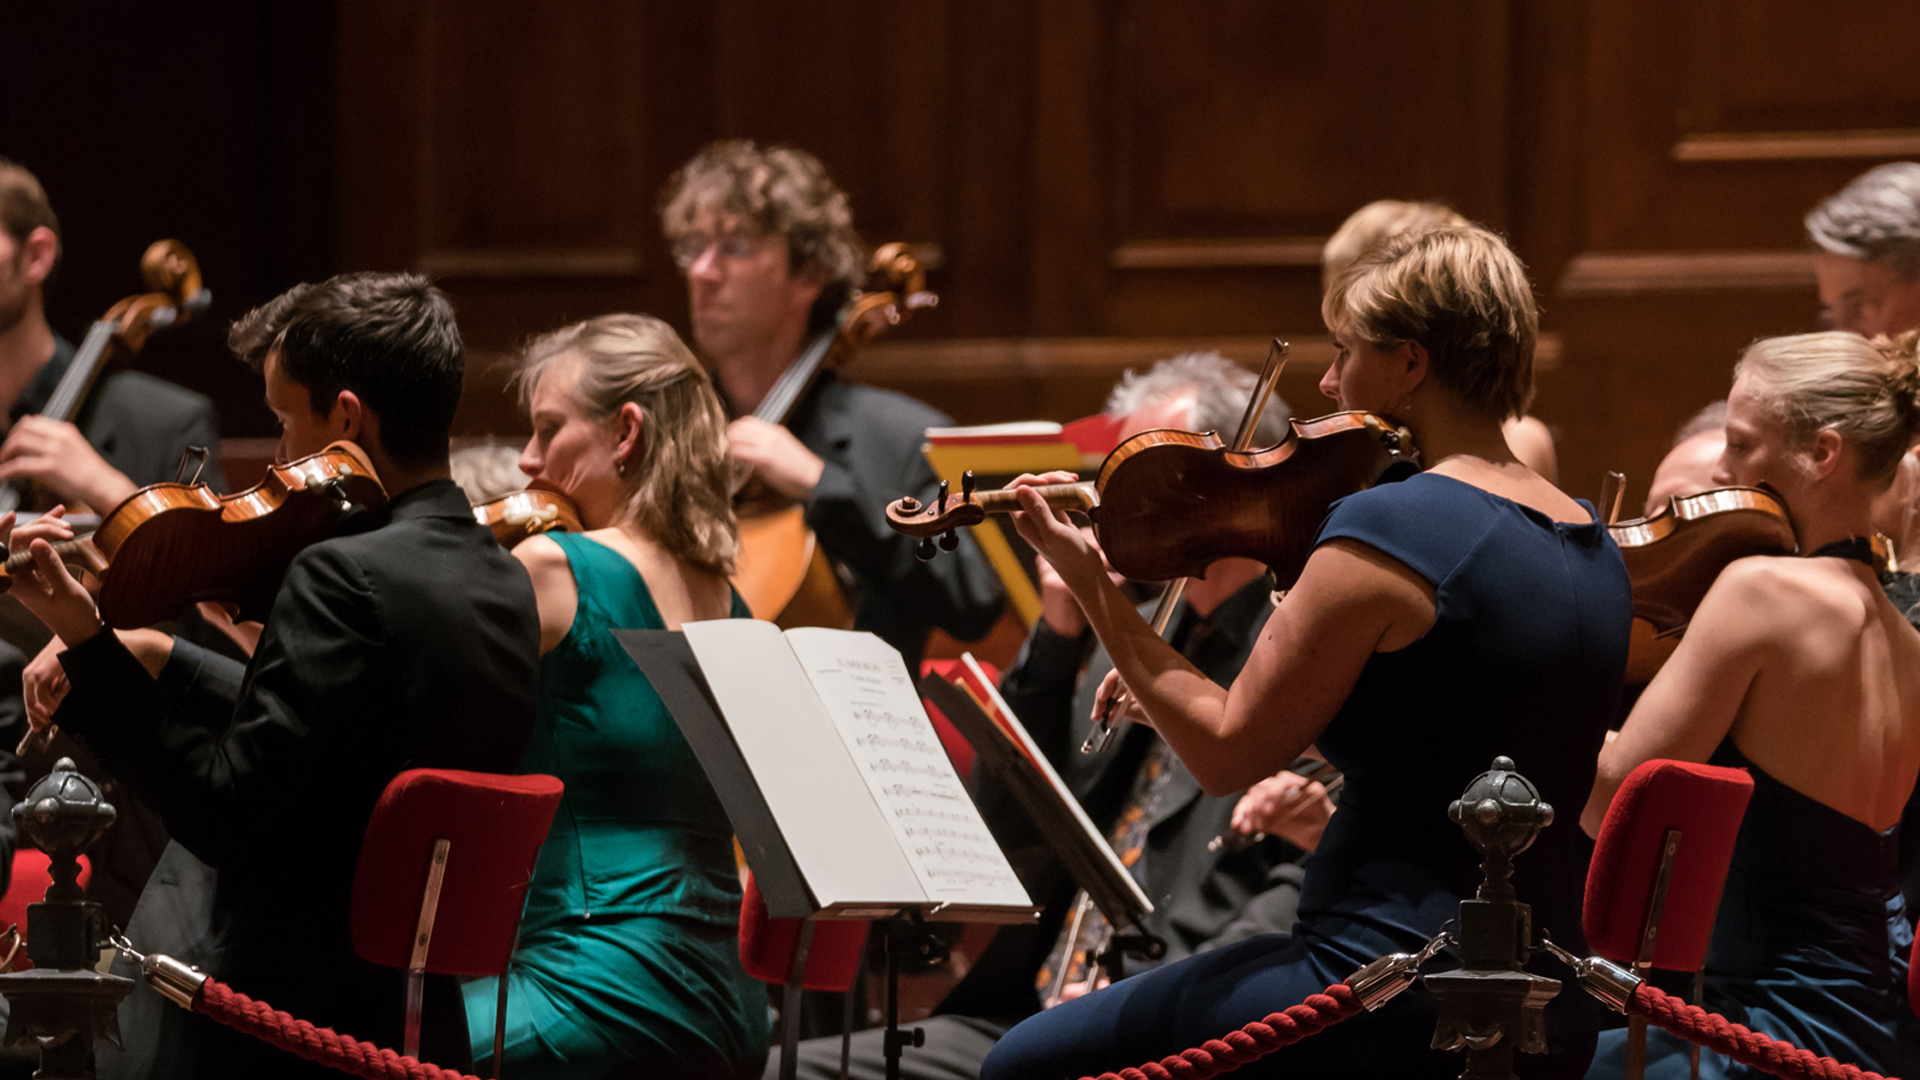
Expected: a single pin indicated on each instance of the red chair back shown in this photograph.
(495, 825)
(959, 750)
(766, 946)
(1705, 803)
(31, 879)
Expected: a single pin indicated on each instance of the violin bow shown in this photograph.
(1102, 734)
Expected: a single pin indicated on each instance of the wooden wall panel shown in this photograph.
(1139, 172)
(532, 139)
(1709, 129)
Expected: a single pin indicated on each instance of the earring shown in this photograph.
(620, 466)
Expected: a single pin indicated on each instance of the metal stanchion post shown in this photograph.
(63, 1004)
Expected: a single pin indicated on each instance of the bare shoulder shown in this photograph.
(545, 561)
(1783, 592)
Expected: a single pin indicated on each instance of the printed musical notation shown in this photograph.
(881, 718)
(887, 766)
(866, 690)
(880, 741)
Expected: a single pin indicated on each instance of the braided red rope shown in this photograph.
(1250, 1043)
(1723, 1036)
(240, 1012)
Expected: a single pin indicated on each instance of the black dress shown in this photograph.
(1525, 659)
(1810, 944)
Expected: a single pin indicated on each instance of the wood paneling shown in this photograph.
(1110, 178)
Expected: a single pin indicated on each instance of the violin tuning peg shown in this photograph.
(966, 485)
(943, 496)
(924, 550)
(949, 540)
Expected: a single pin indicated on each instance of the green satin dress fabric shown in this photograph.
(629, 955)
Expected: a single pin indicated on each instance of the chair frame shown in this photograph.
(417, 963)
(1636, 1066)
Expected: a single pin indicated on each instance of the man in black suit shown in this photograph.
(1204, 895)
(132, 431)
(411, 644)
(766, 242)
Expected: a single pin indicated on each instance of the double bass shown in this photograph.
(178, 293)
(783, 574)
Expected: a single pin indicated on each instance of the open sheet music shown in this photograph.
(831, 725)
(976, 708)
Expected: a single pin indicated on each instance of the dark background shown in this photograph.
(1109, 182)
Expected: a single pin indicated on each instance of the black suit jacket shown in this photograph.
(414, 644)
(142, 426)
(871, 442)
(1202, 899)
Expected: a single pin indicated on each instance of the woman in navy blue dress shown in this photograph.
(1470, 611)
(1801, 671)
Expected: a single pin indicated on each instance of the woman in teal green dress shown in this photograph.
(628, 961)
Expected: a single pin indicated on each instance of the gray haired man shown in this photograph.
(1867, 257)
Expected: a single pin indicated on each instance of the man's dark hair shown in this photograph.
(389, 338)
(23, 202)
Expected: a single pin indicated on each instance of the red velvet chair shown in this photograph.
(809, 954)
(1653, 888)
(29, 885)
(443, 875)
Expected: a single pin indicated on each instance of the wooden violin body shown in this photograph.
(1168, 504)
(171, 545)
(517, 515)
(1674, 556)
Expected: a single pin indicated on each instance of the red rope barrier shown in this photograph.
(240, 1012)
(1723, 1036)
(1250, 1043)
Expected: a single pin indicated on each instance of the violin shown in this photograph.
(1167, 504)
(1674, 556)
(167, 546)
(517, 515)
(783, 574)
(170, 270)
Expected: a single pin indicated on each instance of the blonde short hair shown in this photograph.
(1459, 292)
(1868, 392)
(1375, 222)
(682, 493)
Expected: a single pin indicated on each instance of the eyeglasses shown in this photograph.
(689, 248)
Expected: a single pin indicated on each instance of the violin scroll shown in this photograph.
(938, 519)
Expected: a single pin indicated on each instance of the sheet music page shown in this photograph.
(868, 693)
(843, 847)
(1003, 715)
